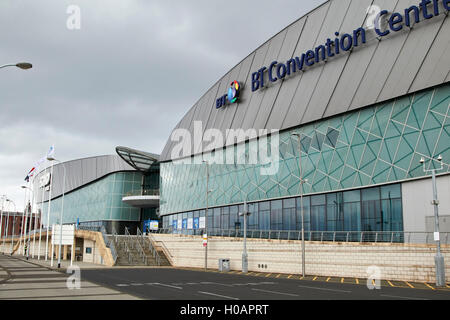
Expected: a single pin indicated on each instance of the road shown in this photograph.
(20, 279)
(182, 284)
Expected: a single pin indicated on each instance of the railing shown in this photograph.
(323, 236)
(110, 244)
(145, 192)
(139, 246)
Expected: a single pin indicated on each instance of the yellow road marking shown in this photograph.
(429, 286)
(315, 278)
(342, 280)
(357, 281)
(390, 283)
(410, 285)
(328, 279)
(268, 275)
(278, 275)
(290, 276)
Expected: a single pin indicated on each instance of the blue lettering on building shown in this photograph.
(346, 42)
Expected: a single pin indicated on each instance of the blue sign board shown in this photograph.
(196, 223)
(184, 224)
(175, 224)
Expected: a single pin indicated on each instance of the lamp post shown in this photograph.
(14, 225)
(21, 65)
(62, 209)
(3, 198)
(302, 181)
(7, 226)
(439, 258)
(30, 209)
(206, 214)
(244, 253)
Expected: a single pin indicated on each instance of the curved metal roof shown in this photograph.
(382, 69)
(140, 160)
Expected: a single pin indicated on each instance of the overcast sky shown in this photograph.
(126, 77)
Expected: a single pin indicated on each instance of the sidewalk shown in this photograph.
(26, 280)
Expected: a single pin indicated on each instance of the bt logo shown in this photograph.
(231, 97)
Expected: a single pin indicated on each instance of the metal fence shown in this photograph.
(323, 236)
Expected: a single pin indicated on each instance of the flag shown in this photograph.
(51, 152)
(30, 174)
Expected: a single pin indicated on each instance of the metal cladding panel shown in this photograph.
(299, 107)
(355, 68)
(166, 153)
(246, 94)
(332, 70)
(411, 58)
(278, 111)
(233, 110)
(251, 101)
(432, 70)
(381, 65)
(89, 170)
(74, 180)
(206, 109)
(382, 69)
(270, 92)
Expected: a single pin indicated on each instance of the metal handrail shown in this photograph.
(146, 192)
(324, 236)
(164, 249)
(140, 247)
(109, 244)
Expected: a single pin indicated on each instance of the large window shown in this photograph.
(367, 210)
(276, 215)
(289, 213)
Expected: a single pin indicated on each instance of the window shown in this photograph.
(216, 218)
(264, 215)
(276, 215)
(289, 214)
(318, 213)
(225, 218)
(253, 221)
(306, 213)
(233, 216)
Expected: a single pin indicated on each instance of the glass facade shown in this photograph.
(98, 201)
(377, 145)
(371, 209)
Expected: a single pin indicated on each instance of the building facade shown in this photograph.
(94, 192)
(360, 88)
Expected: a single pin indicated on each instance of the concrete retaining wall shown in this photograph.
(397, 261)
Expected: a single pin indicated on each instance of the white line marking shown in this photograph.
(218, 295)
(336, 290)
(282, 293)
(137, 284)
(410, 298)
(164, 285)
(122, 285)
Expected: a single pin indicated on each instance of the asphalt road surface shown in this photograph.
(180, 284)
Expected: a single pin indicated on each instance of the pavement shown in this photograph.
(25, 280)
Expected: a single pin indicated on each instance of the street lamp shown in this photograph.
(302, 181)
(62, 209)
(27, 251)
(3, 198)
(21, 65)
(14, 224)
(7, 226)
(439, 258)
(244, 253)
(206, 214)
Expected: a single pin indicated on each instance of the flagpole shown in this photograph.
(40, 223)
(31, 217)
(48, 212)
(23, 223)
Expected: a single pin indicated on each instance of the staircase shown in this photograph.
(135, 250)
